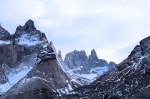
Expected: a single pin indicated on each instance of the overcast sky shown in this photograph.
(111, 27)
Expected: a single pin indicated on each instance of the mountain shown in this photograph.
(30, 66)
(129, 80)
(78, 64)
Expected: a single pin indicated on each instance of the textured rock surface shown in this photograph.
(45, 80)
(4, 34)
(18, 53)
(130, 80)
(84, 68)
(79, 59)
(30, 64)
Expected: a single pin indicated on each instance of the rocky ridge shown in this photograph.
(82, 66)
(30, 67)
(129, 80)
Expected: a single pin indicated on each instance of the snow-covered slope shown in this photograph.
(15, 74)
(47, 75)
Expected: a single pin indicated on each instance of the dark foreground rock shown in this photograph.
(130, 80)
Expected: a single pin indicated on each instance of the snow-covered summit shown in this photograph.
(29, 64)
(28, 35)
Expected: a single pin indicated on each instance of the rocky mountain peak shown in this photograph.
(29, 64)
(130, 80)
(29, 26)
(4, 34)
(79, 63)
(112, 65)
(28, 35)
(139, 52)
(94, 55)
(145, 43)
(76, 58)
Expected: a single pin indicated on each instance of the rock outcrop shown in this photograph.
(30, 67)
(85, 64)
(77, 59)
(4, 34)
(129, 80)
(86, 69)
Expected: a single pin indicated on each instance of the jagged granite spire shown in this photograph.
(29, 25)
(93, 54)
(4, 34)
(79, 59)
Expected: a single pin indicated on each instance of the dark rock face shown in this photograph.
(15, 56)
(130, 80)
(4, 34)
(85, 69)
(94, 55)
(79, 59)
(30, 67)
(45, 80)
(42, 93)
(11, 59)
(28, 35)
(112, 65)
(29, 27)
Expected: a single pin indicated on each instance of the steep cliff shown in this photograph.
(30, 67)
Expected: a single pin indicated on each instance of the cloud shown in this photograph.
(113, 28)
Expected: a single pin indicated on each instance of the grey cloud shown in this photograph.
(108, 26)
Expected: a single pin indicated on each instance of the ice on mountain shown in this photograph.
(100, 70)
(28, 40)
(4, 42)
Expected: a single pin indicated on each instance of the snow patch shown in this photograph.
(69, 86)
(13, 79)
(100, 70)
(28, 40)
(88, 76)
(18, 73)
(4, 42)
